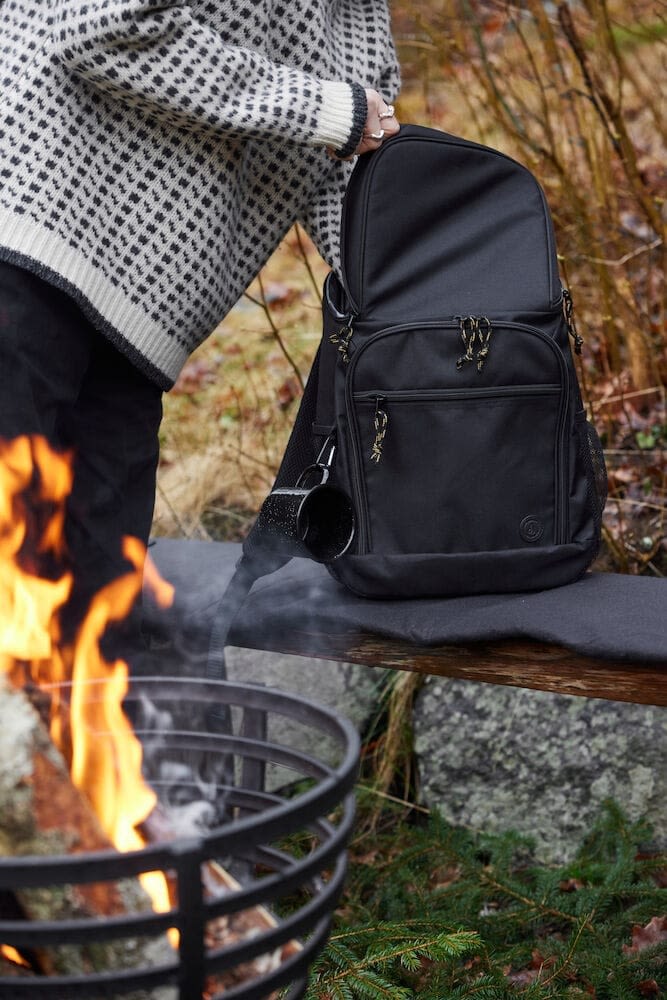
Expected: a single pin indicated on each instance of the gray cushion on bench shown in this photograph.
(605, 615)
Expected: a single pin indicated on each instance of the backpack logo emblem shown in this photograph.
(531, 528)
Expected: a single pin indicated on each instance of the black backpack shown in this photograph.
(444, 400)
(447, 377)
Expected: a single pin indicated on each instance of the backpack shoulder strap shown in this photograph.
(298, 456)
(257, 560)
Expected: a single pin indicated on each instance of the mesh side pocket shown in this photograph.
(596, 470)
(599, 466)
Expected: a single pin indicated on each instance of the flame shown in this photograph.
(12, 955)
(27, 624)
(105, 754)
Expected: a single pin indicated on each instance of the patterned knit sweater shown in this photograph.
(153, 153)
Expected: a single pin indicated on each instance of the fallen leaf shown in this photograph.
(494, 23)
(370, 858)
(524, 977)
(649, 988)
(287, 392)
(195, 375)
(646, 937)
(570, 885)
(444, 876)
(623, 475)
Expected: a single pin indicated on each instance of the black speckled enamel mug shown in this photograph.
(317, 523)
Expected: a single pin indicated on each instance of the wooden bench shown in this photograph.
(540, 666)
(300, 610)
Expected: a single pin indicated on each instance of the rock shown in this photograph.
(502, 758)
(350, 689)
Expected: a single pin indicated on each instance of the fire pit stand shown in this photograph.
(279, 834)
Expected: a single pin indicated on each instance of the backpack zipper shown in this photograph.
(381, 414)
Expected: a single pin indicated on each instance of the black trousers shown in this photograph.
(60, 378)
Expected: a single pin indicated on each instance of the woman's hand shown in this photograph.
(381, 123)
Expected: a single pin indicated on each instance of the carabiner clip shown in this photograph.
(322, 465)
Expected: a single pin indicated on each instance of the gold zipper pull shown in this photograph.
(345, 336)
(468, 330)
(568, 306)
(380, 421)
(484, 331)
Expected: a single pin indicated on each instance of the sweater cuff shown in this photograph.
(343, 114)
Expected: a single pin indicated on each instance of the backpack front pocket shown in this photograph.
(457, 470)
(450, 454)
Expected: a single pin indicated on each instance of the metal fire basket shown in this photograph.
(287, 816)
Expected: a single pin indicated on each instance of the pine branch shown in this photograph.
(532, 904)
(391, 945)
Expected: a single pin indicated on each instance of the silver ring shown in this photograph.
(375, 135)
(389, 113)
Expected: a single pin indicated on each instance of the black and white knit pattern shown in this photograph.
(153, 154)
